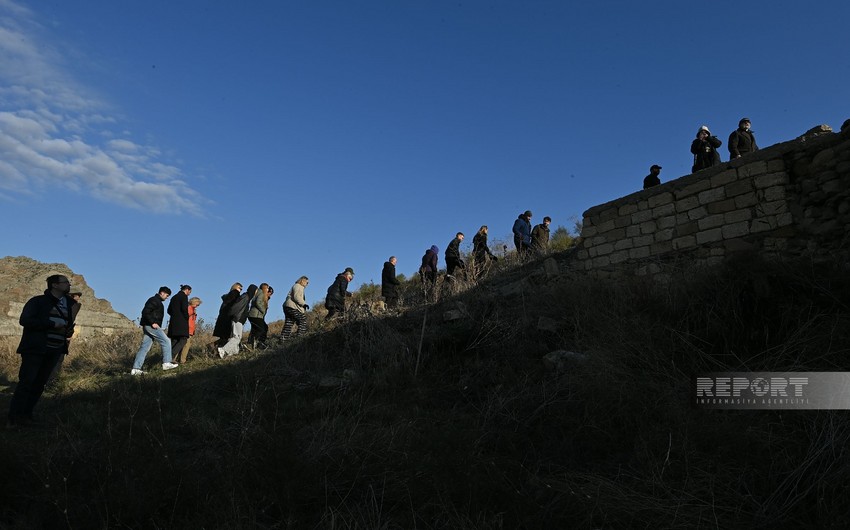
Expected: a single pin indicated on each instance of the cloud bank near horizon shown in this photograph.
(54, 133)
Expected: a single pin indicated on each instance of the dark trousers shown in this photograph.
(177, 345)
(391, 301)
(293, 317)
(333, 311)
(259, 331)
(452, 265)
(35, 370)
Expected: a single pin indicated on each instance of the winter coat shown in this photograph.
(223, 324)
(295, 299)
(705, 153)
(650, 181)
(193, 320)
(480, 250)
(540, 236)
(430, 260)
(522, 230)
(239, 309)
(178, 311)
(35, 318)
(337, 293)
(741, 142)
(389, 282)
(453, 251)
(259, 305)
(153, 312)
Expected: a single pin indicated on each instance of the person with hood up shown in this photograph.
(223, 324)
(428, 269)
(742, 140)
(238, 316)
(338, 292)
(522, 232)
(704, 149)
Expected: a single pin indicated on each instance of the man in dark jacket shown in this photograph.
(390, 283)
(540, 236)
(178, 321)
(704, 149)
(522, 232)
(223, 323)
(151, 322)
(652, 179)
(238, 315)
(453, 261)
(338, 292)
(742, 140)
(48, 322)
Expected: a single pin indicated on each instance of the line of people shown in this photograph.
(742, 141)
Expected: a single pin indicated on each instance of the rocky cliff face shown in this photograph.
(22, 278)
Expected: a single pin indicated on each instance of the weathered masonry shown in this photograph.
(788, 200)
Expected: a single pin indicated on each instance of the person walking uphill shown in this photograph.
(522, 232)
(257, 317)
(428, 269)
(238, 316)
(181, 356)
(338, 292)
(224, 324)
(48, 322)
(295, 309)
(151, 322)
(390, 283)
(453, 261)
(742, 140)
(704, 149)
(178, 322)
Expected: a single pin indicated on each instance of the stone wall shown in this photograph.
(788, 200)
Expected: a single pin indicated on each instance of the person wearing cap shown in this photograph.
(338, 292)
(652, 179)
(704, 149)
(178, 319)
(742, 140)
(522, 232)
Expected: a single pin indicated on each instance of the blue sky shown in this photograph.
(207, 142)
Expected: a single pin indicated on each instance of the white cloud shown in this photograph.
(52, 133)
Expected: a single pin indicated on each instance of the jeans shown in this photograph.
(150, 334)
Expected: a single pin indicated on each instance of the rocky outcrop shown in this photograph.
(22, 278)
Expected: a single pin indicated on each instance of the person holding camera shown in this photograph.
(704, 149)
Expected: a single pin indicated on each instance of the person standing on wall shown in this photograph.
(178, 319)
(742, 140)
(704, 149)
(652, 179)
(48, 322)
(151, 322)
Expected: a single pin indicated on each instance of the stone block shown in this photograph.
(784, 219)
(711, 221)
(730, 175)
(620, 256)
(752, 169)
(639, 253)
(772, 208)
(660, 199)
(712, 195)
(639, 217)
(648, 227)
(692, 189)
(739, 187)
(682, 218)
(735, 230)
(615, 235)
(774, 193)
(746, 200)
(688, 203)
(688, 228)
(737, 216)
(623, 244)
(681, 243)
(709, 236)
(601, 261)
(591, 252)
(550, 266)
(664, 235)
(605, 248)
(776, 165)
(588, 231)
(721, 207)
(598, 240)
(761, 224)
(824, 158)
(632, 231)
(662, 247)
(643, 241)
(607, 215)
(627, 209)
(605, 226)
(666, 222)
(771, 179)
(622, 222)
(582, 255)
(697, 213)
(667, 209)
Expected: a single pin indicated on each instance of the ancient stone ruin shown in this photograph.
(22, 278)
